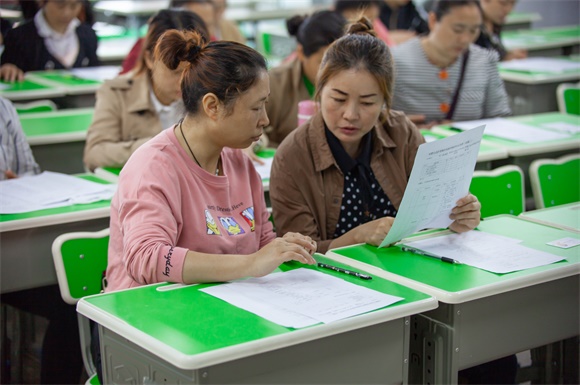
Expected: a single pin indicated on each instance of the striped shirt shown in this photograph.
(15, 153)
(423, 88)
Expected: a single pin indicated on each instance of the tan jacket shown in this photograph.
(125, 118)
(306, 183)
(286, 90)
(229, 30)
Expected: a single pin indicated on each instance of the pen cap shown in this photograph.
(306, 109)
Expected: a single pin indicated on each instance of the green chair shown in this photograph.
(36, 106)
(555, 181)
(500, 191)
(568, 95)
(80, 259)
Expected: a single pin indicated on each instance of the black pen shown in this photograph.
(421, 252)
(344, 271)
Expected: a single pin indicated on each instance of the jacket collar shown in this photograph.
(321, 152)
(139, 94)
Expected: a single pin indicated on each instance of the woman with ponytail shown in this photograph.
(134, 107)
(356, 154)
(190, 206)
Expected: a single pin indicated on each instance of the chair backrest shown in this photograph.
(568, 95)
(500, 191)
(80, 259)
(36, 106)
(555, 181)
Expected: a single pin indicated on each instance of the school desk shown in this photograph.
(532, 92)
(481, 316)
(566, 216)
(113, 50)
(552, 41)
(26, 240)
(57, 138)
(520, 20)
(189, 337)
(29, 89)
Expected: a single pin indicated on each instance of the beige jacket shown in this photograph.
(306, 183)
(228, 30)
(125, 118)
(286, 90)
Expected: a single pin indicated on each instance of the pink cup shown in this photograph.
(306, 109)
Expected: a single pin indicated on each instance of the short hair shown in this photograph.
(316, 31)
(165, 20)
(224, 68)
(359, 49)
(443, 7)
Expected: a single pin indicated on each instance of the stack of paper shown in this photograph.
(486, 251)
(507, 129)
(301, 297)
(99, 74)
(48, 190)
(264, 169)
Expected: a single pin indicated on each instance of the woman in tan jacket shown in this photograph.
(293, 81)
(340, 177)
(133, 108)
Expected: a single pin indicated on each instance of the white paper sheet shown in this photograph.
(507, 129)
(96, 73)
(441, 176)
(264, 169)
(486, 251)
(301, 297)
(48, 190)
(541, 64)
(567, 128)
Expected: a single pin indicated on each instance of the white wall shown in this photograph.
(553, 12)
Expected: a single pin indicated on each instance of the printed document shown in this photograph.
(264, 169)
(49, 190)
(441, 175)
(507, 129)
(490, 252)
(301, 297)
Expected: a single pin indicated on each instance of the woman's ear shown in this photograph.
(148, 56)
(211, 105)
(300, 52)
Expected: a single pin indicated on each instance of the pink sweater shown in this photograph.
(166, 205)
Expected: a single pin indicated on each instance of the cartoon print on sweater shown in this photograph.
(212, 227)
(248, 215)
(231, 226)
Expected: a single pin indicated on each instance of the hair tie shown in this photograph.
(193, 52)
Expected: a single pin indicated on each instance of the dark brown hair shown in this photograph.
(165, 20)
(224, 68)
(443, 7)
(316, 31)
(359, 49)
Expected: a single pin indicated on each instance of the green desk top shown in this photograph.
(192, 329)
(540, 77)
(57, 215)
(522, 17)
(542, 38)
(65, 78)
(457, 283)
(41, 126)
(566, 217)
(537, 120)
(28, 89)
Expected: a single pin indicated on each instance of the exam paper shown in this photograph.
(486, 251)
(49, 190)
(100, 74)
(264, 169)
(301, 297)
(507, 129)
(564, 127)
(441, 175)
(541, 64)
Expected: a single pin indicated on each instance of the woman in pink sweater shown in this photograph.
(190, 206)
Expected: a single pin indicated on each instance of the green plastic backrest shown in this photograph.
(36, 106)
(500, 191)
(558, 183)
(572, 100)
(85, 260)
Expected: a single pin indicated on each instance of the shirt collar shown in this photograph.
(45, 30)
(159, 107)
(344, 161)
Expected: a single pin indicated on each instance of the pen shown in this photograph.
(420, 252)
(344, 271)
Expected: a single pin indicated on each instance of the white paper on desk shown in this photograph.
(564, 127)
(301, 297)
(519, 132)
(264, 169)
(441, 175)
(4, 86)
(541, 64)
(100, 74)
(49, 190)
(486, 251)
